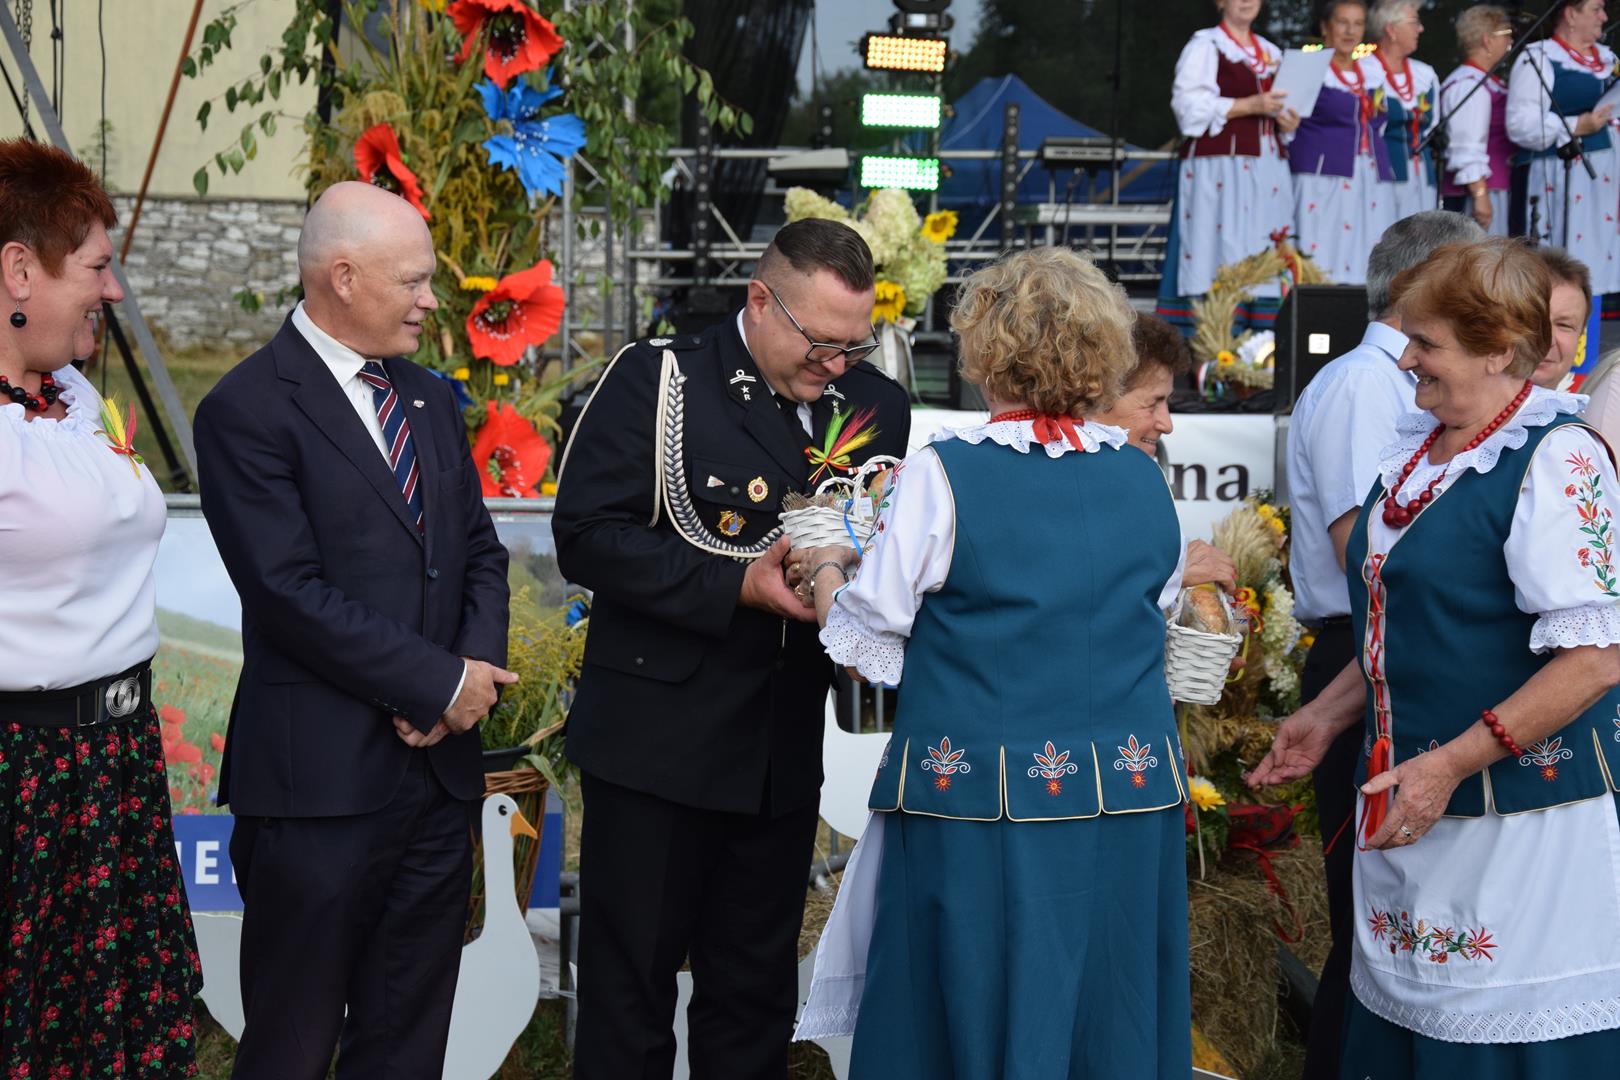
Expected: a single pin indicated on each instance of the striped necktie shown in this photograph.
(396, 436)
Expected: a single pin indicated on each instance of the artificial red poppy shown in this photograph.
(510, 454)
(522, 310)
(519, 39)
(377, 156)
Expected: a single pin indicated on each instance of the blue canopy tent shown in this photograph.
(977, 125)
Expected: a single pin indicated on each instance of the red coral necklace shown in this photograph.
(1397, 516)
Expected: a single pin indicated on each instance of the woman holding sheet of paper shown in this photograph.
(1555, 94)
(1233, 190)
(1338, 155)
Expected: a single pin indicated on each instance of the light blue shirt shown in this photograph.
(1341, 424)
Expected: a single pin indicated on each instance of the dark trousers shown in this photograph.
(1335, 802)
(662, 883)
(366, 912)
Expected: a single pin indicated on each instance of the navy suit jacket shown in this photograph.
(349, 615)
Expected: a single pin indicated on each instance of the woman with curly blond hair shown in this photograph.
(1018, 905)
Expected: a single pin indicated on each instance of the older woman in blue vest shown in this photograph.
(1027, 913)
(1552, 97)
(1483, 589)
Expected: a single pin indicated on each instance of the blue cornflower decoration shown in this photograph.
(537, 147)
(458, 389)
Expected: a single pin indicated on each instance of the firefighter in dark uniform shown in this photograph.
(697, 726)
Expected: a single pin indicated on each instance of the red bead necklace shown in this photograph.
(48, 392)
(1394, 79)
(1397, 516)
(1594, 63)
(1261, 61)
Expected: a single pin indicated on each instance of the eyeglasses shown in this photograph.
(821, 352)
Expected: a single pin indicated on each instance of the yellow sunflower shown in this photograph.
(472, 283)
(940, 226)
(891, 302)
(1203, 793)
(1225, 358)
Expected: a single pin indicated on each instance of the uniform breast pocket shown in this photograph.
(737, 502)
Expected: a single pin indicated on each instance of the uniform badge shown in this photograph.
(832, 391)
(731, 522)
(659, 342)
(758, 489)
(714, 482)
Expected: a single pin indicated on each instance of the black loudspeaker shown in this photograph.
(1316, 323)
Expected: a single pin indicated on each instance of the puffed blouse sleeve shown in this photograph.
(1560, 549)
(1194, 96)
(1469, 121)
(871, 617)
(1531, 122)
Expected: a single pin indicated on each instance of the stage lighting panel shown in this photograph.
(893, 52)
(913, 174)
(900, 110)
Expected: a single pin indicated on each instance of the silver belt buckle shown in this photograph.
(122, 698)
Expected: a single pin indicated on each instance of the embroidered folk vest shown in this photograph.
(1034, 677)
(1327, 143)
(1243, 136)
(1405, 128)
(1573, 92)
(1455, 643)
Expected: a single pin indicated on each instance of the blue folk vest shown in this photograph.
(1573, 93)
(1456, 644)
(1403, 129)
(1034, 677)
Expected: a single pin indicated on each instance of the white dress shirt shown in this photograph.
(803, 409)
(1343, 421)
(345, 364)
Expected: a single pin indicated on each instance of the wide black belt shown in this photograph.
(125, 696)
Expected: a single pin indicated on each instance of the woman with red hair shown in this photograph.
(98, 963)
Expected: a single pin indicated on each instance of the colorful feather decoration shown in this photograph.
(846, 433)
(119, 432)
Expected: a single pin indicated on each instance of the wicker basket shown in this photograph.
(816, 526)
(1196, 662)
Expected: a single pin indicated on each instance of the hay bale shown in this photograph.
(1232, 936)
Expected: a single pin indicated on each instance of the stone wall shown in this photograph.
(191, 256)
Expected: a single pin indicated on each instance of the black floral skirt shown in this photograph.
(98, 966)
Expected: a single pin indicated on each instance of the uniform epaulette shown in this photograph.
(677, 341)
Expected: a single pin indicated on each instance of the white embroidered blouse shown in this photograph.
(1560, 547)
(79, 532)
(871, 617)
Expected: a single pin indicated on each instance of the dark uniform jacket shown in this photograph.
(686, 694)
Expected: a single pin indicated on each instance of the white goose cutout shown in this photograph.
(499, 983)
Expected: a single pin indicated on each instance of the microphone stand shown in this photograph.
(1570, 151)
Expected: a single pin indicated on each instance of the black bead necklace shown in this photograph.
(48, 392)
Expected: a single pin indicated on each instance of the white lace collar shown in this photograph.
(83, 409)
(1541, 408)
(1020, 435)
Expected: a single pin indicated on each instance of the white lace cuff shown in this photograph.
(878, 656)
(1589, 624)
